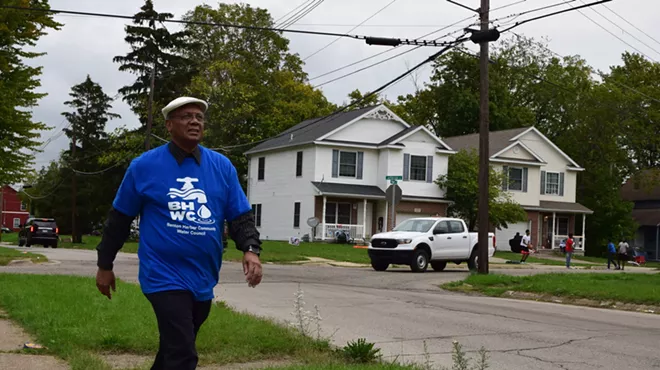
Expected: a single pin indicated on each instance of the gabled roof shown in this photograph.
(642, 186)
(320, 128)
(396, 139)
(500, 140)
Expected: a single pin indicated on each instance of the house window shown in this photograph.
(296, 214)
(338, 213)
(348, 164)
(17, 223)
(515, 178)
(562, 226)
(256, 209)
(299, 161)
(552, 183)
(418, 167)
(262, 168)
(23, 206)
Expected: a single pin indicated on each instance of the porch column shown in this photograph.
(584, 226)
(325, 200)
(364, 220)
(552, 239)
(387, 221)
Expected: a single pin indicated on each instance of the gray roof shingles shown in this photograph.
(308, 131)
(349, 189)
(498, 140)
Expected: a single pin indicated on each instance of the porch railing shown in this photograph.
(558, 239)
(353, 231)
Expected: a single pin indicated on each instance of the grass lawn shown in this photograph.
(273, 251)
(75, 322)
(544, 261)
(7, 255)
(627, 288)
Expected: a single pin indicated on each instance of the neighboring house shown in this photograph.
(334, 169)
(644, 192)
(14, 211)
(541, 178)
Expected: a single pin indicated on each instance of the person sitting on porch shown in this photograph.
(525, 244)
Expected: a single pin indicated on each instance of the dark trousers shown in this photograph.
(622, 260)
(179, 319)
(610, 259)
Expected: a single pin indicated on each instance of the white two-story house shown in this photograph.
(541, 178)
(334, 169)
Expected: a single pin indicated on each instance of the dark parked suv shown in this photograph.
(43, 231)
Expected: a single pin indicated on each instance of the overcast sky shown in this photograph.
(86, 45)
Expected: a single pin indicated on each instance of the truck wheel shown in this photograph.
(439, 265)
(379, 265)
(420, 261)
(21, 242)
(473, 262)
(54, 245)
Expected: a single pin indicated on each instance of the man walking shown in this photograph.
(623, 253)
(525, 243)
(611, 254)
(183, 193)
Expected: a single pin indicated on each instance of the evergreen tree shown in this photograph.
(18, 81)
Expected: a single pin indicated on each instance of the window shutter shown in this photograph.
(524, 184)
(542, 182)
(505, 182)
(406, 167)
(561, 184)
(429, 168)
(335, 163)
(360, 164)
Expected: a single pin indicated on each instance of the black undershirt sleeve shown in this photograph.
(244, 231)
(115, 232)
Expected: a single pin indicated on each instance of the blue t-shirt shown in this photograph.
(611, 248)
(182, 211)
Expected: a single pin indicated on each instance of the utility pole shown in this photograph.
(74, 190)
(483, 143)
(2, 209)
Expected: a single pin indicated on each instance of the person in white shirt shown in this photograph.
(624, 248)
(525, 243)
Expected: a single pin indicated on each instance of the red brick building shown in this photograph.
(14, 211)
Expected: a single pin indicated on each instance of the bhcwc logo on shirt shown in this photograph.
(191, 205)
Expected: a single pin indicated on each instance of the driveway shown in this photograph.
(400, 310)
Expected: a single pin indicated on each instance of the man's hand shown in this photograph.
(252, 269)
(105, 279)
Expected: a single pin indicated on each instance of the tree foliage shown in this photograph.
(18, 82)
(255, 87)
(462, 188)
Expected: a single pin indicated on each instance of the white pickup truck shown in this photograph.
(419, 241)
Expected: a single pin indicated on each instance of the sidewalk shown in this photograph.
(12, 338)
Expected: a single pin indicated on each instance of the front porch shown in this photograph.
(359, 218)
(558, 220)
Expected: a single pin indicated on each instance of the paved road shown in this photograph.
(400, 310)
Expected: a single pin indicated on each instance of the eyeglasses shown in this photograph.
(189, 117)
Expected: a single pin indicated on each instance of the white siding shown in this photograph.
(280, 189)
(323, 165)
(531, 197)
(368, 131)
(383, 160)
(555, 163)
(419, 144)
(522, 153)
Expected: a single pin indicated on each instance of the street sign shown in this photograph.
(394, 194)
(393, 178)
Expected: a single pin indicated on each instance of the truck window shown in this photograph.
(442, 228)
(456, 227)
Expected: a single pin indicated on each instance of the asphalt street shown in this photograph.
(401, 311)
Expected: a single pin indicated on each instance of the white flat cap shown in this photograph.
(181, 101)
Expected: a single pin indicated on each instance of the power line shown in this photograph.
(606, 30)
(516, 15)
(637, 28)
(351, 30)
(292, 11)
(518, 24)
(368, 39)
(623, 30)
(307, 126)
(300, 15)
